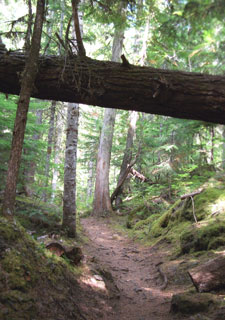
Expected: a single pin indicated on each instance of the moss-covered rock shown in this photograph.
(191, 303)
(202, 238)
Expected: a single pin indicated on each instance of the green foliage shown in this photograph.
(37, 215)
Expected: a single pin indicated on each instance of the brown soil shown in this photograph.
(128, 274)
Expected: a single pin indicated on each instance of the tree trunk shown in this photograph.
(69, 196)
(127, 153)
(49, 149)
(29, 27)
(223, 151)
(111, 85)
(69, 202)
(209, 276)
(29, 172)
(212, 144)
(27, 86)
(90, 178)
(57, 152)
(102, 202)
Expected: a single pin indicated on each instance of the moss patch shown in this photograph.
(34, 283)
(190, 303)
(203, 238)
(177, 224)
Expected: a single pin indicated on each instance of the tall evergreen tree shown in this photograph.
(49, 148)
(69, 195)
(27, 83)
(102, 203)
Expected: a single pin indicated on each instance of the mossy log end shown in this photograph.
(110, 85)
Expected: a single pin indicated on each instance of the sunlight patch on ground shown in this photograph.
(157, 292)
(217, 207)
(94, 283)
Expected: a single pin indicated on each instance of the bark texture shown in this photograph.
(90, 179)
(29, 171)
(111, 85)
(69, 203)
(49, 149)
(102, 202)
(127, 154)
(209, 276)
(59, 127)
(27, 85)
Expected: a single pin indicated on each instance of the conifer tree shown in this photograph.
(27, 83)
(102, 203)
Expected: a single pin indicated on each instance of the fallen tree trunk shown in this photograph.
(209, 276)
(115, 85)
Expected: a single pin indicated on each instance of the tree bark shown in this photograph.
(223, 151)
(102, 202)
(59, 127)
(90, 178)
(29, 171)
(109, 84)
(49, 149)
(127, 155)
(78, 32)
(27, 86)
(69, 196)
(209, 276)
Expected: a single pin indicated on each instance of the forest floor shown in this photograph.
(129, 274)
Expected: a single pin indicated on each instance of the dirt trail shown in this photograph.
(132, 269)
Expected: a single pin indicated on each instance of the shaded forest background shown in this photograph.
(171, 156)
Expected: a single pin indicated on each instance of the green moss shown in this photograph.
(9, 232)
(29, 275)
(216, 243)
(143, 224)
(176, 224)
(203, 238)
(165, 222)
(190, 303)
(206, 234)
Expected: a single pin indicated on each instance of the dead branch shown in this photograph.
(193, 207)
(192, 194)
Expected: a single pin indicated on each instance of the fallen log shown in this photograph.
(111, 85)
(192, 194)
(209, 276)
